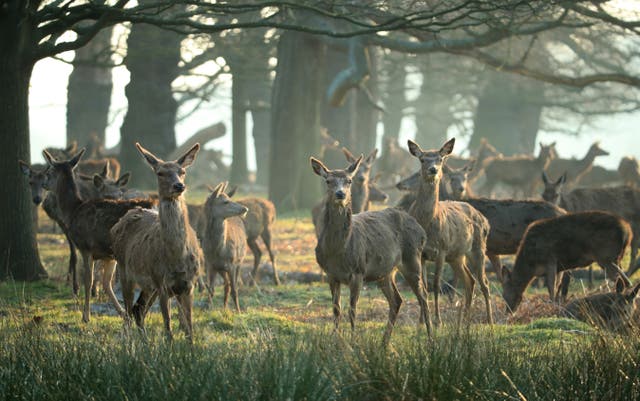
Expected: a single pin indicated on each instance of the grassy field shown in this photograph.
(283, 347)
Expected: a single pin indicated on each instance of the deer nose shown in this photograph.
(432, 170)
(340, 194)
(37, 199)
(178, 187)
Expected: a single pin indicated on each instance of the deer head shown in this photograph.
(552, 190)
(219, 206)
(596, 150)
(111, 189)
(338, 181)
(37, 180)
(458, 180)
(59, 168)
(431, 161)
(170, 174)
(364, 171)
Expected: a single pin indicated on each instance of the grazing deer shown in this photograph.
(223, 241)
(621, 200)
(366, 247)
(629, 171)
(613, 310)
(562, 243)
(88, 223)
(575, 169)
(159, 251)
(457, 233)
(519, 171)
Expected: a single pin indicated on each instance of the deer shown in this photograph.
(88, 223)
(612, 310)
(223, 241)
(87, 167)
(159, 251)
(456, 231)
(517, 171)
(621, 200)
(629, 171)
(575, 169)
(367, 247)
(574, 240)
(360, 189)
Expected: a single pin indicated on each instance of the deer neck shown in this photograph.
(216, 232)
(336, 227)
(359, 197)
(174, 222)
(586, 161)
(543, 161)
(426, 203)
(521, 277)
(67, 195)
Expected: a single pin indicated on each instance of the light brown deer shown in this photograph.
(520, 172)
(223, 241)
(612, 310)
(366, 247)
(629, 171)
(159, 251)
(621, 200)
(574, 240)
(457, 233)
(575, 169)
(88, 224)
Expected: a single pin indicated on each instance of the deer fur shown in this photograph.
(575, 169)
(367, 247)
(457, 233)
(562, 243)
(88, 223)
(612, 310)
(224, 240)
(629, 171)
(158, 250)
(621, 200)
(519, 172)
(360, 188)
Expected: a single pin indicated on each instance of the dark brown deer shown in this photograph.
(621, 200)
(223, 241)
(457, 233)
(366, 247)
(88, 224)
(159, 251)
(574, 240)
(575, 169)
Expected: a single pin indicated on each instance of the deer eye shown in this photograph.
(349, 181)
(161, 174)
(181, 171)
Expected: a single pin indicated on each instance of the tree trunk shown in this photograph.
(295, 120)
(19, 258)
(89, 91)
(508, 114)
(432, 110)
(239, 169)
(394, 98)
(152, 59)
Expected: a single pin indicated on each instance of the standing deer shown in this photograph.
(629, 171)
(159, 251)
(457, 233)
(366, 247)
(88, 223)
(574, 169)
(223, 241)
(566, 242)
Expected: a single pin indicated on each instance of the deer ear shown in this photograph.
(355, 165)
(348, 155)
(26, 169)
(545, 179)
(447, 148)
(562, 179)
(75, 159)
(319, 168)
(217, 190)
(98, 181)
(105, 169)
(232, 191)
(124, 179)
(372, 156)
(189, 157)
(225, 184)
(414, 148)
(151, 159)
(634, 293)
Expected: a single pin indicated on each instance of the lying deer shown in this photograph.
(367, 247)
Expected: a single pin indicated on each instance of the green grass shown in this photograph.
(283, 347)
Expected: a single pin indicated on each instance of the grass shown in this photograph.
(283, 347)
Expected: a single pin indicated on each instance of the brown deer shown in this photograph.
(575, 169)
(223, 241)
(366, 247)
(629, 171)
(457, 233)
(612, 310)
(621, 200)
(86, 167)
(88, 224)
(360, 189)
(519, 171)
(574, 240)
(159, 251)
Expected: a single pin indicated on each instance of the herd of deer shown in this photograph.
(161, 244)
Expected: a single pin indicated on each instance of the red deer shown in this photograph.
(575, 169)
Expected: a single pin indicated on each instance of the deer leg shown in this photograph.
(108, 271)
(612, 270)
(186, 306)
(550, 280)
(266, 238)
(412, 272)
(142, 306)
(633, 254)
(97, 276)
(73, 262)
(234, 286)
(355, 285)
(257, 255)
(390, 291)
(439, 262)
(463, 272)
(227, 288)
(496, 263)
(334, 286)
(128, 291)
(211, 277)
(165, 307)
(87, 261)
(563, 288)
(481, 276)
